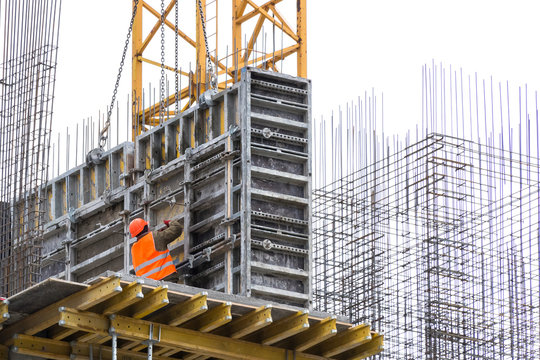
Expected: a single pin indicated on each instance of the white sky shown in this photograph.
(353, 46)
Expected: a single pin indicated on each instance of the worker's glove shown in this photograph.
(166, 222)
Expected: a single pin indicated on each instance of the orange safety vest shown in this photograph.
(148, 262)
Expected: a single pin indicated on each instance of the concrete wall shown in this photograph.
(236, 171)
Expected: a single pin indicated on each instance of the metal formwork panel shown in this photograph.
(276, 187)
(257, 242)
(236, 171)
(82, 212)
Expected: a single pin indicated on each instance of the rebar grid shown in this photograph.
(434, 241)
(28, 75)
(436, 249)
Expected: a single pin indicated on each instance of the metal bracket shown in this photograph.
(191, 260)
(150, 342)
(229, 221)
(171, 201)
(106, 196)
(207, 253)
(71, 215)
(188, 154)
(147, 175)
(204, 256)
(95, 157)
(234, 131)
(205, 100)
(227, 155)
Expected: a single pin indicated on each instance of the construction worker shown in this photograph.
(150, 255)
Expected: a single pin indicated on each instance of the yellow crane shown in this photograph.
(209, 66)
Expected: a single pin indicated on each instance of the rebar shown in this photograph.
(27, 80)
(433, 238)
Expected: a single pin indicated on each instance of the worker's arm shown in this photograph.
(167, 235)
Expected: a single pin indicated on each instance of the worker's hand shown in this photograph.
(166, 222)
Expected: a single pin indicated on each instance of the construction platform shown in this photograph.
(126, 316)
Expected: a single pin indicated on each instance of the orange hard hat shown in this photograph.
(136, 226)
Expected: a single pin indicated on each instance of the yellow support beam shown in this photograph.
(46, 317)
(177, 315)
(131, 294)
(316, 334)
(301, 30)
(41, 347)
(195, 357)
(90, 337)
(86, 321)
(4, 313)
(155, 63)
(136, 70)
(156, 26)
(242, 326)
(284, 23)
(366, 350)
(245, 17)
(238, 7)
(282, 55)
(82, 351)
(282, 329)
(189, 356)
(200, 50)
(54, 349)
(254, 37)
(59, 333)
(211, 319)
(247, 324)
(184, 311)
(183, 339)
(4, 352)
(189, 40)
(344, 341)
(262, 10)
(153, 301)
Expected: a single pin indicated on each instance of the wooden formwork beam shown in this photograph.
(4, 312)
(170, 336)
(344, 341)
(47, 316)
(372, 347)
(189, 327)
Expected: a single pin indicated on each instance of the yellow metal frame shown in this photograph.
(46, 317)
(240, 55)
(4, 313)
(226, 330)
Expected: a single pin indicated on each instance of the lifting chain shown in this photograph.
(162, 82)
(213, 79)
(104, 132)
(176, 57)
